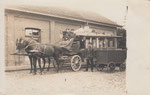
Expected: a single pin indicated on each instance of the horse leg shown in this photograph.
(34, 63)
(57, 64)
(31, 63)
(44, 61)
(49, 62)
(39, 62)
(57, 61)
(53, 63)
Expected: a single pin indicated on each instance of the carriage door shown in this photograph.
(33, 33)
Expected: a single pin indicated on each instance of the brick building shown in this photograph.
(46, 25)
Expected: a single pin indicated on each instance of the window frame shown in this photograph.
(36, 37)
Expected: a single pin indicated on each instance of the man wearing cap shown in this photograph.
(90, 55)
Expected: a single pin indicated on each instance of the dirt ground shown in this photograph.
(66, 82)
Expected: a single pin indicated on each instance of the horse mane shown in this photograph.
(29, 40)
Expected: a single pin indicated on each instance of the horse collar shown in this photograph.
(29, 44)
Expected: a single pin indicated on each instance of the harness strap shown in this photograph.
(44, 47)
(29, 44)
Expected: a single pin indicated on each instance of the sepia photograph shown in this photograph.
(75, 47)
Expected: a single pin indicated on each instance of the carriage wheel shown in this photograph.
(122, 67)
(99, 67)
(112, 66)
(76, 62)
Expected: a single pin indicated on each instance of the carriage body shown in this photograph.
(111, 58)
(109, 50)
(110, 55)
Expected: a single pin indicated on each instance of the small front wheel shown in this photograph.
(76, 63)
(122, 67)
(99, 67)
(112, 66)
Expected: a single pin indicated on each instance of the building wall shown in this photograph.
(15, 28)
(51, 29)
(60, 26)
(9, 38)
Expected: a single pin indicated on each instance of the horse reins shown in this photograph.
(29, 44)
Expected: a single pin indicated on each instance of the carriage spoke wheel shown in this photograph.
(76, 62)
(99, 67)
(112, 66)
(122, 67)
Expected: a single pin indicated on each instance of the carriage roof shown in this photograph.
(87, 32)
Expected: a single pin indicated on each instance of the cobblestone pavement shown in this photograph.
(66, 81)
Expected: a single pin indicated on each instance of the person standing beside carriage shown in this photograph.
(90, 56)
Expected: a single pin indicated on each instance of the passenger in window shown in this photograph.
(94, 43)
(67, 30)
(111, 43)
(82, 43)
(101, 43)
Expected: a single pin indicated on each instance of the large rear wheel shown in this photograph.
(76, 63)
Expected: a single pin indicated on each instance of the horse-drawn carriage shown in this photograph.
(109, 50)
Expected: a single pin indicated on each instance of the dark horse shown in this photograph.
(37, 50)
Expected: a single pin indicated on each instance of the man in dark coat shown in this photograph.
(90, 55)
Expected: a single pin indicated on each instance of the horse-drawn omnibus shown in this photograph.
(109, 50)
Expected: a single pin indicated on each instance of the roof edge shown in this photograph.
(68, 18)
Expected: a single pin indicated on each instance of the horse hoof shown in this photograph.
(40, 73)
(30, 72)
(43, 72)
(34, 73)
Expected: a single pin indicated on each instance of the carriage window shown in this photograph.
(101, 43)
(94, 42)
(87, 42)
(111, 42)
(121, 43)
(82, 42)
(33, 33)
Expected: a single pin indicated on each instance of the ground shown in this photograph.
(65, 81)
